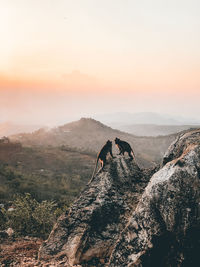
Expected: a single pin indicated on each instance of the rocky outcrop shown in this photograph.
(88, 233)
(118, 222)
(164, 229)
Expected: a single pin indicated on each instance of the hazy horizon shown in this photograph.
(114, 120)
(62, 60)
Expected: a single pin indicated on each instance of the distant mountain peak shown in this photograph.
(85, 119)
(84, 122)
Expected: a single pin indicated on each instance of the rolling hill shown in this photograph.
(57, 163)
(125, 118)
(90, 135)
(47, 173)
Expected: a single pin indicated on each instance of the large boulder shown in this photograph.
(164, 229)
(87, 234)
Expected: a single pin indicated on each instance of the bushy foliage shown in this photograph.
(2, 218)
(29, 217)
(45, 173)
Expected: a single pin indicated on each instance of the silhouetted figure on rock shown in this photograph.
(123, 147)
(107, 148)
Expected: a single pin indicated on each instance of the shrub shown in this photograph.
(30, 217)
(2, 219)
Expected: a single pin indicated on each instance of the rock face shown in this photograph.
(88, 233)
(164, 230)
(118, 222)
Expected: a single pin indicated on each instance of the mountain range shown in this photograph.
(124, 118)
(90, 135)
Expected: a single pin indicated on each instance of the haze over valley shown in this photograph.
(141, 124)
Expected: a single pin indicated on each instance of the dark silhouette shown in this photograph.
(124, 147)
(107, 148)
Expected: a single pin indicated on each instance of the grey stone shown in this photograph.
(164, 229)
(88, 233)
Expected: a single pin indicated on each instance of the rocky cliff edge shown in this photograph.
(123, 219)
(164, 230)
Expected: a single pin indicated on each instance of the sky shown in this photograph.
(64, 59)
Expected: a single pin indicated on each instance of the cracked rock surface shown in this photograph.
(88, 233)
(132, 217)
(164, 229)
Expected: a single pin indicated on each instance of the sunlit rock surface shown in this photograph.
(164, 230)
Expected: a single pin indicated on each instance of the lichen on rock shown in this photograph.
(88, 233)
(164, 230)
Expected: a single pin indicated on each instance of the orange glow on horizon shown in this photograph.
(76, 82)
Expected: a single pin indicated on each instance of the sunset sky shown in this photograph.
(63, 59)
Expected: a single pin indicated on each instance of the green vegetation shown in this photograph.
(29, 217)
(40, 184)
(52, 174)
